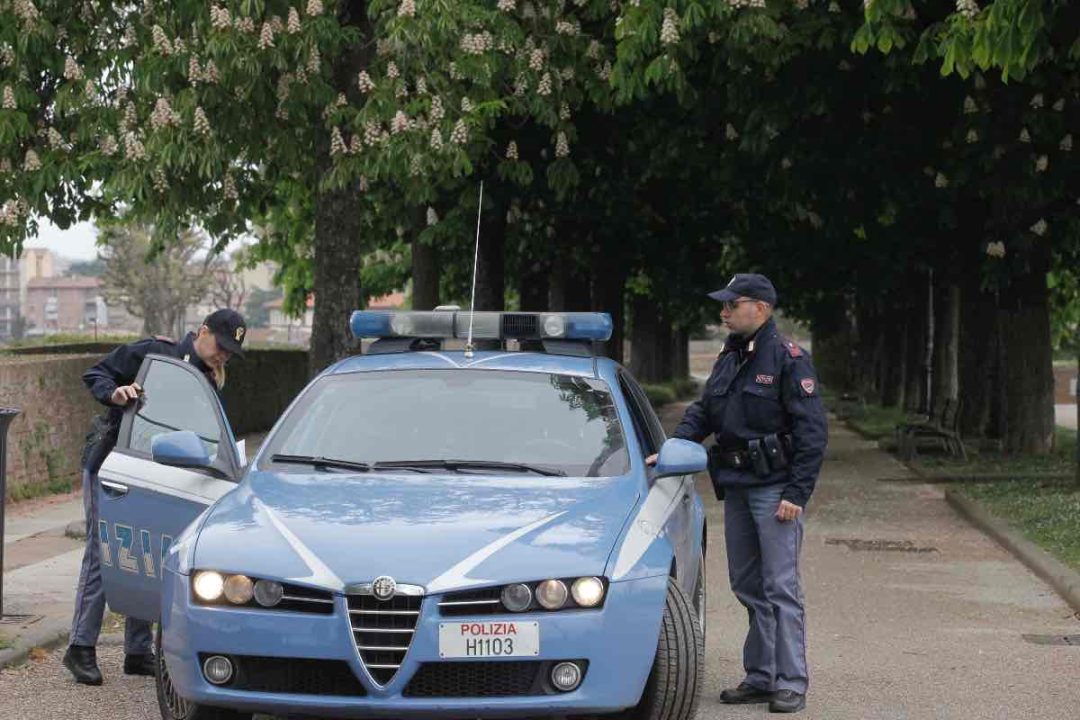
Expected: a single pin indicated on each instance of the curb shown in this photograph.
(1064, 580)
(48, 634)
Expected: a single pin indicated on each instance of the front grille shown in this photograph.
(297, 676)
(520, 326)
(383, 630)
(504, 678)
(473, 602)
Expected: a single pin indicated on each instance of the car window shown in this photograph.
(652, 426)
(644, 439)
(174, 400)
(557, 422)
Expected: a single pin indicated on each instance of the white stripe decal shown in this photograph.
(441, 357)
(457, 576)
(647, 525)
(321, 575)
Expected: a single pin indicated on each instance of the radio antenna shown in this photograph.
(476, 263)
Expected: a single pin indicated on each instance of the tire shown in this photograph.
(174, 707)
(701, 592)
(672, 690)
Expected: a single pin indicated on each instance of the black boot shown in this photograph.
(745, 694)
(82, 662)
(139, 664)
(787, 701)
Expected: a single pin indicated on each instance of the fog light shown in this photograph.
(566, 676)
(218, 669)
(517, 598)
(208, 585)
(551, 594)
(238, 589)
(588, 592)
(268, 593)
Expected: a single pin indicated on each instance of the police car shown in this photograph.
(426, 532)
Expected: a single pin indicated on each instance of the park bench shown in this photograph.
(943, 427)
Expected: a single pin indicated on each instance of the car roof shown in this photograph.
(481, 360)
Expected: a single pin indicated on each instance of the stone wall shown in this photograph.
(46, 439)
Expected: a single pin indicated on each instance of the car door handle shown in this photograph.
(113, 489)
(686, 498)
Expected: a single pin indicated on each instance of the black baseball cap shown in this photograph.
(751, 285)
(229, 329)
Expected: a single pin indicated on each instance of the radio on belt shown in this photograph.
(444, 324)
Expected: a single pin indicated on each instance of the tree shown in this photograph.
(153, 278)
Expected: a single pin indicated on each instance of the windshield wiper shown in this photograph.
(459, 465)
(321, 462)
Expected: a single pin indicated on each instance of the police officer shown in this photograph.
(112, 383)
(761, 402)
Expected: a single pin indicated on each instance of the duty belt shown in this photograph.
(761, 456)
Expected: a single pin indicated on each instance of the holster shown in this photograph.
(714, 471)
(775, 451)
(758, 459)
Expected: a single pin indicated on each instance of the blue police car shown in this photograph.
(426, 532)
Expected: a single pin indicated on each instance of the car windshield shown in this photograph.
(544, 423)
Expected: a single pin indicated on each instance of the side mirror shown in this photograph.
(181, 448)
(680, 457)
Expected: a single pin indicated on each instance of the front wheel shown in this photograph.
(671, 692)
(174, 707)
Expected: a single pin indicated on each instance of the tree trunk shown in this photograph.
(425, 275)
(1076, 393)
(977, 358)
(644, 327)
(680, 354)
(608, 286)
(1028, 379)
(533, 285)
(894, 361)
(945, 383)
(914, 367)
(665, 338)
(491, 265)
(336, 276)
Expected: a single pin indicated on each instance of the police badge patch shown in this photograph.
(765, 379)
(808, 385)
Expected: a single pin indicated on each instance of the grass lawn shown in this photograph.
(1062, 461)
(1047, 513)
(5, 642)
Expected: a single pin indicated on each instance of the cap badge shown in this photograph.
(240, 334)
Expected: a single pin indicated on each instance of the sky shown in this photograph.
(77, 242)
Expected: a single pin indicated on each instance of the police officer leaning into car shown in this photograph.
(761, 402)
(112, 383)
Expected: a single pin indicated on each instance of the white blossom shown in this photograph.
(314, 61)
(372, 133)
(466, 105)
(477, 43)
(9, 98)
(266, 37)
(133, 147)
(56, 140)
(436, 139)
(26, 11)
(228, 188)
(421, 86)
(392, 71)
(1059, 105)
(786, 163)
(363, 183)
(72, 71)
(970, 106)
(245, 24)
(210, 73)
(220, 18)
(604, 71)
(512, 151)
(337, 143)
(544, 88)
(7, 56)
(802, 4)
(293, 24)
(432, 216)
(5, 166)
(564, 111)
(536, 59)
(407, 8)
(972, 136)
(460, 134)
(130, 116)
(996, 249)
(161, 42)
(201, 123)
(108, 146)
(1037, 101)
(1025, 136)
(562, 147)
(506, 5)
(363, 81)
(730, 132)
(453, 71)
(399, 124)
(163, 115)
(9, 213)
(565, 27)
(521, 84)
(1040, 227)
(161, 183)
(355, 145)
(402, 91)
(1042, 163)
(669, 29)
(194, 71)
(314, 7)
(1066, 143)
(940, 181)
(967, 8)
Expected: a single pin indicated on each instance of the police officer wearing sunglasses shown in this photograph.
(761, 402)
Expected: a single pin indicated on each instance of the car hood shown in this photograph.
(438, 531)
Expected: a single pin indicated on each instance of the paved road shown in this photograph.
(932, 628)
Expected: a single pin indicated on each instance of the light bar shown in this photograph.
(485, 325)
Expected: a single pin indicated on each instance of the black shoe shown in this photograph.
(140, 665)
(82, 662)
(787, 701)
(745, 694)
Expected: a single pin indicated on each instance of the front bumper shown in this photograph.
(618, 642)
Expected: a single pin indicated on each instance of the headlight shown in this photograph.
(588, 592)
(517, 598)
(551, 594)
(268, 593)
(238, 589)
(209, 585)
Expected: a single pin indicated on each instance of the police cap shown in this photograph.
(229, 329)
(750, 285)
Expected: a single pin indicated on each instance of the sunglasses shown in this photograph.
(730, 305)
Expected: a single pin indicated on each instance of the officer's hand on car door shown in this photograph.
(787, 511)
(651, 460)
(125, 393)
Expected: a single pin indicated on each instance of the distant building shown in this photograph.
(64, 304)
(9, 297)
(297, 330)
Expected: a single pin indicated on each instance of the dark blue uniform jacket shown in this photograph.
(763, 385)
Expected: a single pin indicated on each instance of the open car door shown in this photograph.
(144, 504)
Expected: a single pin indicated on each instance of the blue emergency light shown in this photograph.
(444, 324)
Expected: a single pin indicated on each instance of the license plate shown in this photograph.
(489, 639)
